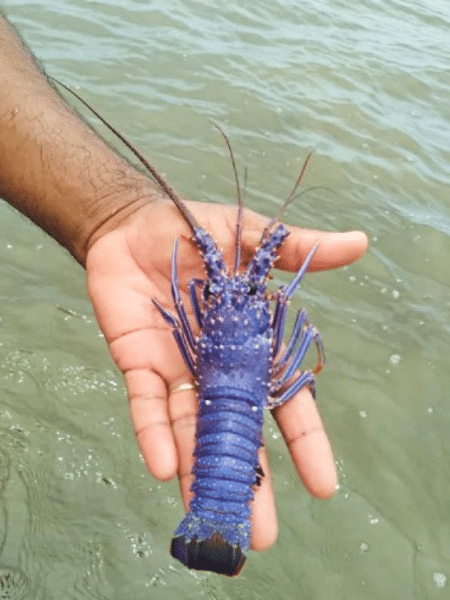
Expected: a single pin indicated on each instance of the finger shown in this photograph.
(149, 414)
(302, 429)
(148, 358)
(264, 515)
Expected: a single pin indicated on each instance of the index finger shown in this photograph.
(335, 249)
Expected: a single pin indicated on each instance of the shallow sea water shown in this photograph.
(364, 85)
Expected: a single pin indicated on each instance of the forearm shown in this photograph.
(53, 168)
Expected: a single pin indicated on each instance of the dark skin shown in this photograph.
(121, 228)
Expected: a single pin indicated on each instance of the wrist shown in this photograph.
(111, 211)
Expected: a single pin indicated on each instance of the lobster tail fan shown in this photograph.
(213, 554)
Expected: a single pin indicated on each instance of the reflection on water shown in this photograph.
(366, 87)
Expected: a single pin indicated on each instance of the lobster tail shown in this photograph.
(215, 534)
(213, 554)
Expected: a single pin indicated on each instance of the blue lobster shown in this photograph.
(239, 369)
(234, 362)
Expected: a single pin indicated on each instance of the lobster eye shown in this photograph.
(206, 292)
(252, 289)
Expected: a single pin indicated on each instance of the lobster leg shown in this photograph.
(189, 336)
(281, 306)
(305, 378)
(305, 341)
(308, 336)
(178, 334)
(278, 322)
(301, 272)
(299, 322)
(194, 300)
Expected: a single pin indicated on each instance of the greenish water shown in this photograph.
(366, 86)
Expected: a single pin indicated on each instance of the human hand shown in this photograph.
(129, 266)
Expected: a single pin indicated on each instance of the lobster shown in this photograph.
(239, 368)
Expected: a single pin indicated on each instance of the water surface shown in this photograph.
(366, 86)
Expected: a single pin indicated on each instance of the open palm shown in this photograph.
(128, 267)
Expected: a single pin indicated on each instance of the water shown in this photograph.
(366, 87)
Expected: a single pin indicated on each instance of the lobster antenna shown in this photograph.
(160, 180)
(237, 258)
(291, 196)
(312, 189)
(245, 183)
